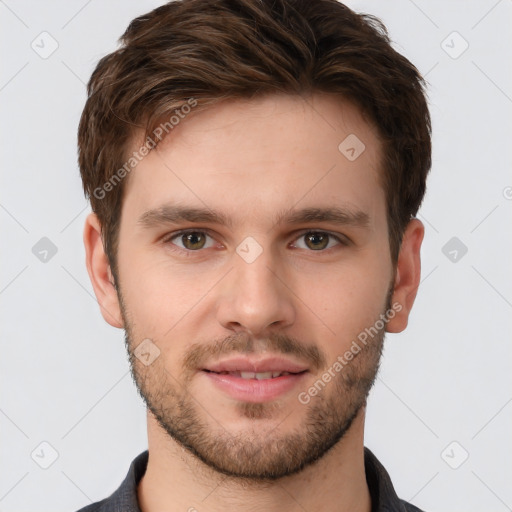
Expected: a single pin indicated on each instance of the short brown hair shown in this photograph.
(212, 50)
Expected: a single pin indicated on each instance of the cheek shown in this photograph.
(347, 299)
(164, 298)
(148, 292)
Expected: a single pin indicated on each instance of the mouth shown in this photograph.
(268, 366)
(257, 375)
(254, 381)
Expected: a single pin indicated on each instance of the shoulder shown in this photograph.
(124, 498)
(410, 508)
(383, 495)
(94, 507)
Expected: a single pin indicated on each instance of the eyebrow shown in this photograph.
(173, 214)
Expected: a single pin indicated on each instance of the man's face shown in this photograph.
(262, 292)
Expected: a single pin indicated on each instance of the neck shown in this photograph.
(176, 480)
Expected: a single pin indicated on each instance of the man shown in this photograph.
(254, 168)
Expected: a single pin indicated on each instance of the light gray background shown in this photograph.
(64, 372)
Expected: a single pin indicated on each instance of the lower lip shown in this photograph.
(253, 390)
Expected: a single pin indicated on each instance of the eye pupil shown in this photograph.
(190, 240)
(314, 238)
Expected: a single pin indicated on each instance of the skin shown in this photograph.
(252, 160)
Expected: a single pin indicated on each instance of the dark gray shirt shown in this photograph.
(384, 498)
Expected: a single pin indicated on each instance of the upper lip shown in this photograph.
(244, 364)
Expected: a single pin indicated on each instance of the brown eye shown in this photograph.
(190, 240)
(193, 240)
(317, 241)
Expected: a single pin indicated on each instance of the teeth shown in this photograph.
(256, 375)
(259, 375)
(264, 375)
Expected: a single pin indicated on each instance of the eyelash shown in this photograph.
(167, 239)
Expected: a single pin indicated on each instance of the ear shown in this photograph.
(408, 273)
(100, 274)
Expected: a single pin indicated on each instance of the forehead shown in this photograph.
(264, 155)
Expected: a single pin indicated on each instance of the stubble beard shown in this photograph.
(257, 454)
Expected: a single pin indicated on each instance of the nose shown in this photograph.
(256, 297)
